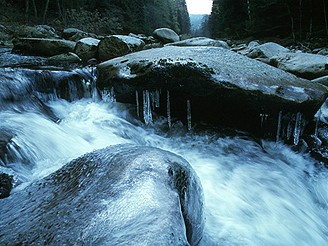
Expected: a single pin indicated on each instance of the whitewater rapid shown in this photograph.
(256, 192)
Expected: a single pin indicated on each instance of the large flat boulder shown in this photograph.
(305, 65)
(200, 41)
(43, 46)
(222, 87)
(121, 195)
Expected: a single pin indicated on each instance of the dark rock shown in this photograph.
(42, 46)
(87, 48)
(118, 45)
(121, 195)
(6, 184)
(65, 59)
(69, 32)
(223, 87)
(321, 80)
(166, 35)
(38, 31)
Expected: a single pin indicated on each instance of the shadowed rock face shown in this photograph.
(121, 195)
(234, 89)
(42, 46)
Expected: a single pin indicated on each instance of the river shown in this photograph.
(257, 192)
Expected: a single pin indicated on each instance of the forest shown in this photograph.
(100, 16)
(299, 19)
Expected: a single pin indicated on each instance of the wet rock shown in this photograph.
(166, 35)
(266, 51)
(87, 48)
(305, 65)
(69, 32)
(6, 184)
(42, 46)
(321, 80)
(125, 195)
(238, 91)
(118, 45)
(143, 37)
(66, 59)
(38, 31)
(200, 41)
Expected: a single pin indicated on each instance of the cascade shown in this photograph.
(279, 126)
(137, 104)
(189, 114)
(148, 118)
(168, 109)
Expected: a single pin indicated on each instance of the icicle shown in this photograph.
(189, 114)
(108, 95)
(157, 99)
(152, 99)
(317, 123)
(168, 109)
(289, 130)
(297, 129)
(137, 104)
(279, 126)
(147, 108)
(264, 118)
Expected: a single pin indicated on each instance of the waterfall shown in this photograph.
(108, 95)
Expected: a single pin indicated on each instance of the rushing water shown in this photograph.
(256, 193)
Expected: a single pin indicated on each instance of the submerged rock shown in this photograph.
(43, 46)
(223, 87)
(121, 195)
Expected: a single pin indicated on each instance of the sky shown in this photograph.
(199, 6)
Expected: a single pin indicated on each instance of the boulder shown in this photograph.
(200, 41)
(38, 31)
(143, 37)
(42, 46)
(305, 65)
(87, 48)
(265, 52)
(6, 184)
(118, 45)
(121, 195)
(236, 91)
(321, 80)
(69, 32)
(166, 35)
(66, 59)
